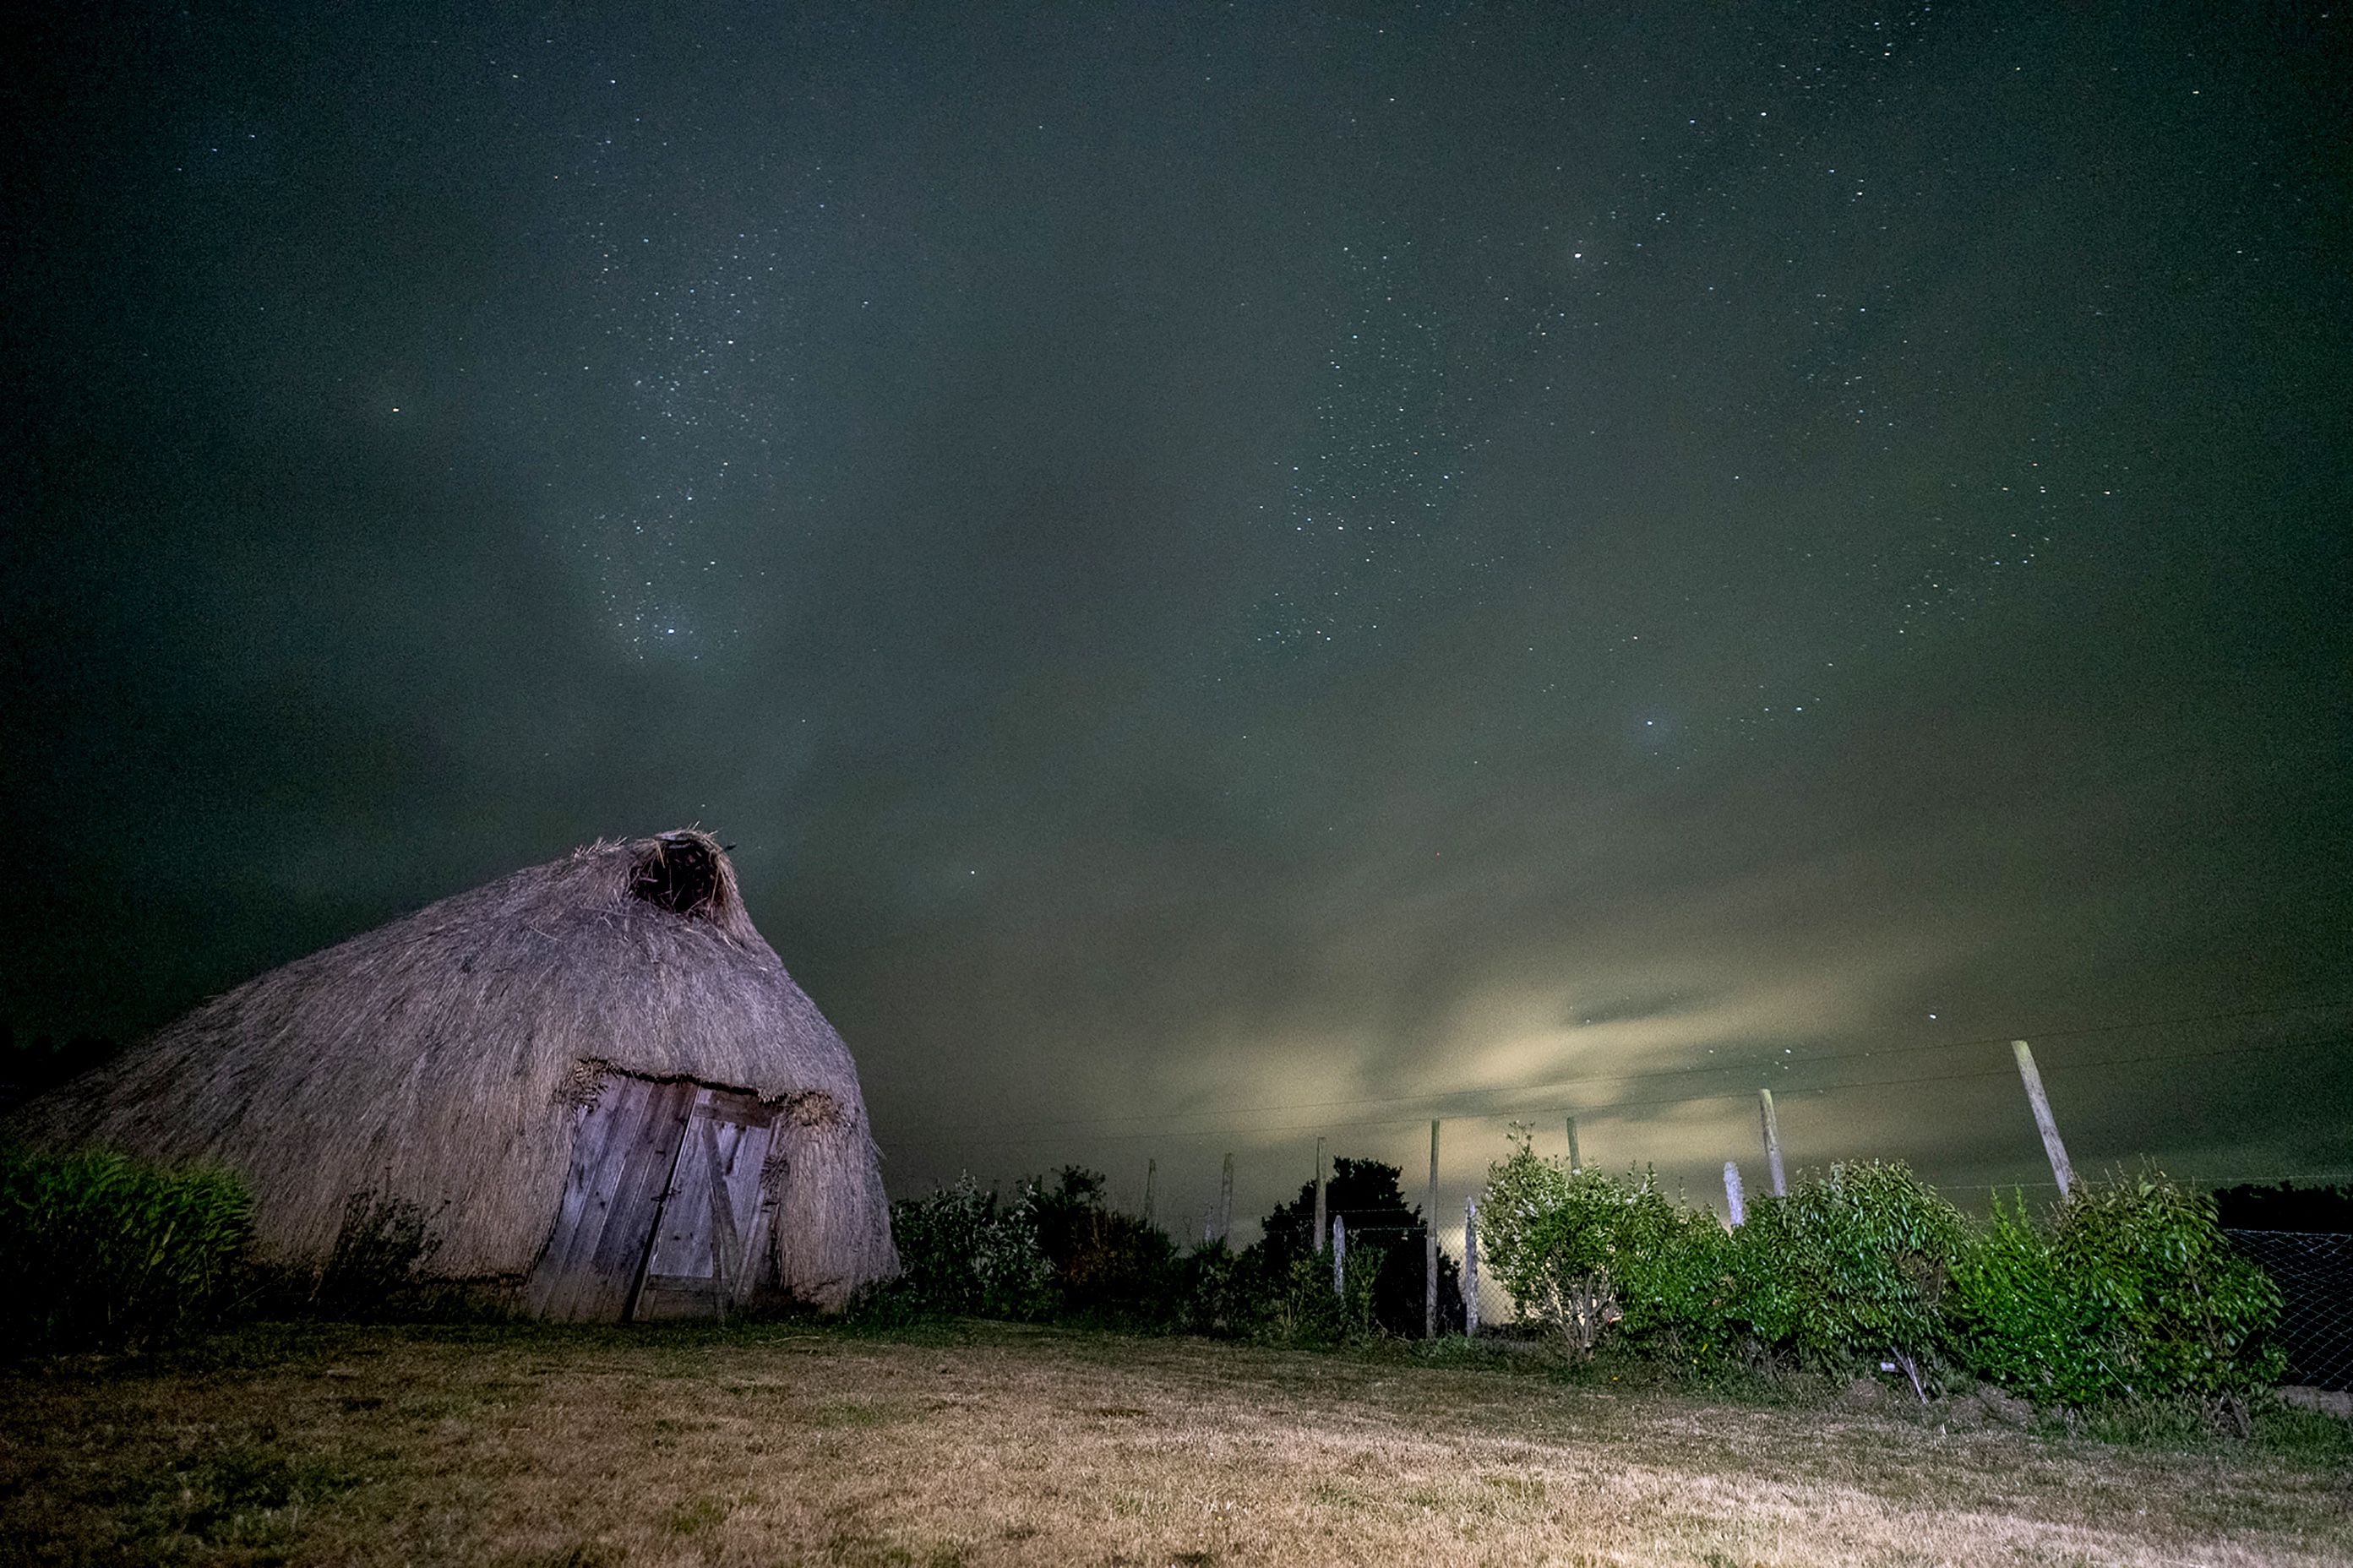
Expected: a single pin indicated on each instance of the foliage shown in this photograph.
(1677, 1273)
(1295, 1302)
(1107, 1265)
(1385, 1250)
(2133, 1292)
(1057, 1249)
(2015, 1322)
(111, 1252)
(1585, 1253)
(963, 1250)
(1518, 1228)
(2286, 1207)
(1218, 1292)
(1852, 1266)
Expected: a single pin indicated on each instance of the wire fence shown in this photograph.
(1496, 1307)
(2314, 1273)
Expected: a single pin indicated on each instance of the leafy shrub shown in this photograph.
(1586, 1253)
(1278, 1296)
(1678, 1282)
(111, 1253)
(1107, 1265)
(2133, 1292)
(1218, 1292)
(967, 1251)
(1519, 1230)
(1852, 1266)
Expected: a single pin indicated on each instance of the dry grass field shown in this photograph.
(990, 1444)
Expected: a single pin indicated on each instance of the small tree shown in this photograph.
(2132, 1291)
(1106, 1265)
(1583, 1252)
(1852, 1266)
(1384, 1244)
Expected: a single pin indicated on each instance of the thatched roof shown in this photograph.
(439, 1059)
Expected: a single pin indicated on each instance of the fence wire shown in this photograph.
(1496, 1307)
(2314, 1270)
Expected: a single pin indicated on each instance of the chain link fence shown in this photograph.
(1496, 1307)
(2314, 1270)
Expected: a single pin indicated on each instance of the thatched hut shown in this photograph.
(594, 1077)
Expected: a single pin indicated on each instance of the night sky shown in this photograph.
(1232, 573)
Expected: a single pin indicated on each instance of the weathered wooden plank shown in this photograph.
(711, 1210)
(681, 1243)
(661, 1214)
(765, 1197)
(601, 1140)
(744, 1260)
(621, 1256)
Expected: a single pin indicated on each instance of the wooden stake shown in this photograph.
(1732, 1190)
(1429, 1245)
(1340, 1255)
(1574, 1166)
(1772, 1142)
(1151, 1180)
(1317, 1234)
(1471, 1269)
(2043, 1122)
(1226, 1203)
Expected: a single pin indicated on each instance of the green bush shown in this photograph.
(1108, 1267)
(1287, 1299)
(110, 1253)
(2133, 1292)
(1218, 1292)
(1851, 1267)
(1055, 1249)
(1678, 1284)
(963, 1250)
(1587, 1254)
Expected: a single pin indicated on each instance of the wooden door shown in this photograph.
(623, 1153)
(705, 1243)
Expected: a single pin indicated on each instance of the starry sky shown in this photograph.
(1232, 573)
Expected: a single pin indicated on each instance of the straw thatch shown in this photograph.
(442, 1059)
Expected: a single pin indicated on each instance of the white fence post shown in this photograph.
(1471, 1269)
(1317, 1234)
(2061, 1166)
(1772, 1142)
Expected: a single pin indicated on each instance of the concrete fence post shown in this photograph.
(1471, 1269)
